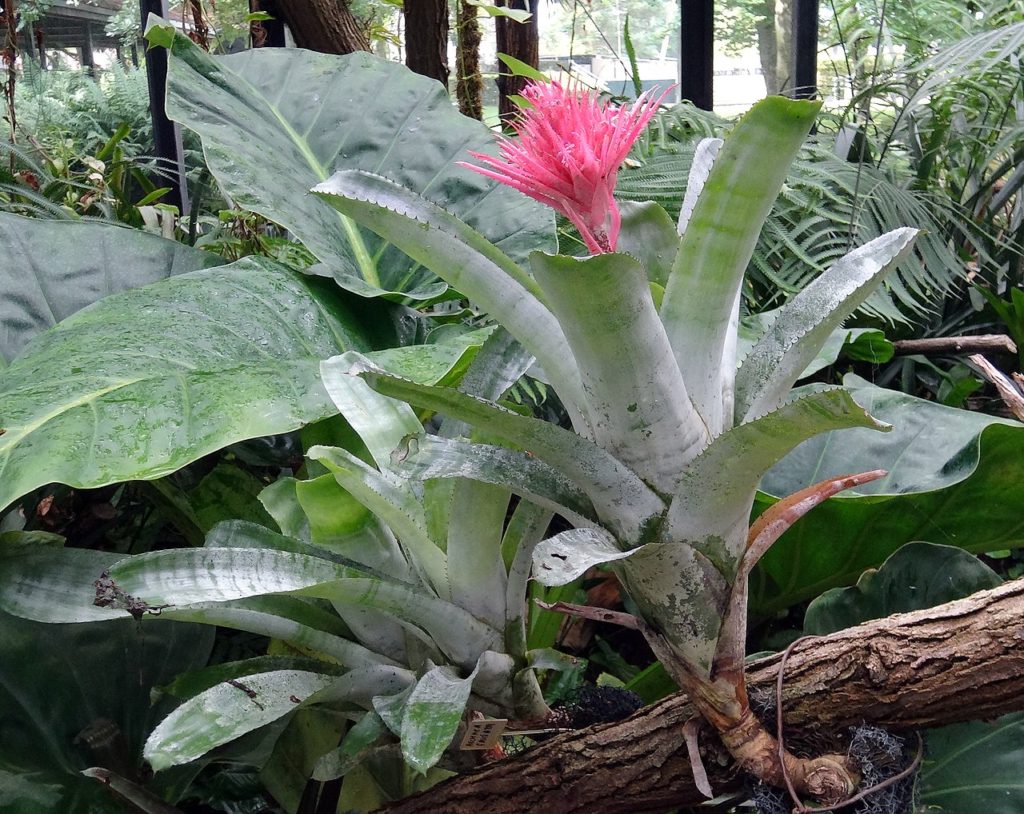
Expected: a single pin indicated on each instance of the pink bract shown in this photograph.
(568, 153)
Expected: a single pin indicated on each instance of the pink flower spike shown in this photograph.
(568, 153)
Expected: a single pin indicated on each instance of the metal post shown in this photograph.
(696, 53)
(166, 134)
(86, 56)
(805, 49)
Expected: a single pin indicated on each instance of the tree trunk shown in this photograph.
(783, 45)
(956, 662)
(468, 82)
(426, 38)
(519, 40)
(324, 25)
(766, 51)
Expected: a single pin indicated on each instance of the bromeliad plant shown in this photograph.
(672, 431)
(394, 606)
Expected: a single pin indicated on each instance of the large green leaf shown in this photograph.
(57, 681)
(276, 122)
(955, 478)
(50, 269)
(148, 380)
(919, 575)
(975, 767)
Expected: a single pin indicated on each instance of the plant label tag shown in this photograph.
(483, 733)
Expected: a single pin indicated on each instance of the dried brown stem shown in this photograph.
(956, 344)
(1012, 390)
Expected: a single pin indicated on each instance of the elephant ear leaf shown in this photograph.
(135, 387)
(308, 115)
(51, 269)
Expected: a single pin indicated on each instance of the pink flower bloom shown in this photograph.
(568, 154)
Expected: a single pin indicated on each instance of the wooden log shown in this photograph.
(955, 662)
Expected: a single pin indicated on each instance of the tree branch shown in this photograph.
(983, 343)
(956, 662)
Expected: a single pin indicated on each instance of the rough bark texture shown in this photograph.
(766, 53)
(426, 38)
(468, 82)
(324, 25)
(519, 40)
(956, 662)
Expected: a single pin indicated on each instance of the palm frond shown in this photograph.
(827, 207)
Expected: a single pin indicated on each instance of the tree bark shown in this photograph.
(468, 82)
(766, 50)
(955, 662)
(426, 38)
(519, 40)
(324, 25)
(783, 45)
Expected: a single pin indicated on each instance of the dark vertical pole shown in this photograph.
(696, 52)
(805, 49)
(166, 134)
(87, 57)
